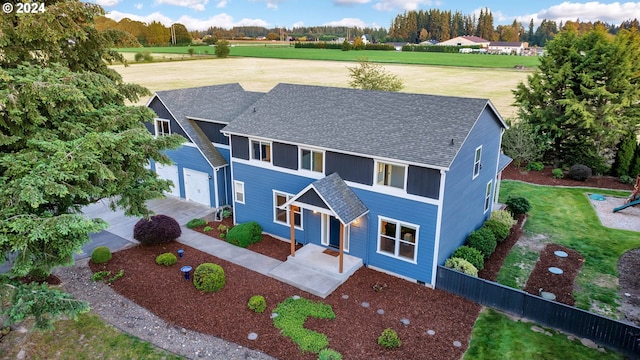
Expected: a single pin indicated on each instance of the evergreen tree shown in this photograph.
(584, 95)
(624, 155)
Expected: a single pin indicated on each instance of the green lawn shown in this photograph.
(495, 337)
(566, 217)
(418, 58)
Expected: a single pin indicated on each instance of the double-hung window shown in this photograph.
(239, 191)
(487, 197)
(162, 127)
(311, 160)
(282, 216)
(261, 150)
(477, 165)
(397, 239)
(390, 175)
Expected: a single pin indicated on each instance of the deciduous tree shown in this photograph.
(222, 48)
(370, 76)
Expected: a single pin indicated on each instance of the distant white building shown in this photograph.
(366, 39)
(507, 47)
(465, 41)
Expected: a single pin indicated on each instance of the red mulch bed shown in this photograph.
(545, 177)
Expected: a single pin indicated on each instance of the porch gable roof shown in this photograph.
(332, 193)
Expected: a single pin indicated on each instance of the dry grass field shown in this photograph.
(263, 74)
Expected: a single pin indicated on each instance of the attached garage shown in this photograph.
(169, 172)
(196, 186)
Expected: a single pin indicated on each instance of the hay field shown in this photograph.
(257, 74)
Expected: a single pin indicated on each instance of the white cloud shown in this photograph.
(198, 5)
(156, 16)
(221, 20)
(297, 24)
(107, 2)
(271, 4)
(591, 11)
(222, 4)
(350, 2)
(395, 5)
(350, 22)
(138, 6)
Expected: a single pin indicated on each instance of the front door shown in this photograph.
(331, 232)
(334, 232)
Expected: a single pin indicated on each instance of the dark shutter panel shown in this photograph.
(350, 167)
(423, 182)
(240, 147)
(285, 155)
(212, 130)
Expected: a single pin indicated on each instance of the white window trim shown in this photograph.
(399, 224)
(251, 154)
(156, 125)
(487, 197)
(275, 217)
(236, 185)
(324, 233)
(392, 188)
(312, 151)
(478, 161)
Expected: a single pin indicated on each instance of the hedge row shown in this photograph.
(440, 49)
(339, 46)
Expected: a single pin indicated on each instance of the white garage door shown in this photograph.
(169, 172)
(196, 186)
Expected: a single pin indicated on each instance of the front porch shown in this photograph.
(314, 271)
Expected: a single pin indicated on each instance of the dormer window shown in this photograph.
(163, 127)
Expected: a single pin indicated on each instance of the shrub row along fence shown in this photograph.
(601, 330)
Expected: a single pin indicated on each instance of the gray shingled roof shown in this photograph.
(337, 195)
(503, 162)
(221, 103)
(410, 127)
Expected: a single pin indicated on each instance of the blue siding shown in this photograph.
(463, 208)
(189, 157)
(224, 186)
(259, 184)
(162, 112)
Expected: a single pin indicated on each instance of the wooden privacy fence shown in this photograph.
(601, 330)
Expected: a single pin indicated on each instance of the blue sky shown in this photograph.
(201, 14)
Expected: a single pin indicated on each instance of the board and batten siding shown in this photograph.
(423, 181)
(162, 112)
(463, 203)
(189, 157)
(240, 147)
(285, 155)
(350, 167)
(212, 131)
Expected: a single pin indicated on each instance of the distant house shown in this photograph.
(508, 48)
(397, 190)
(366, 39)
(466, 41)
(429, 42)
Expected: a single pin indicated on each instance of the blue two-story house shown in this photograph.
(395, 179)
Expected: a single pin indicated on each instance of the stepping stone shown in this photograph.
(274, 315)
(345, 296)
(431, 332)
(457, 343)
(560, 253)
(380, 312)
(555, 270)
(365, 304)
(295, 297)
(252, 336)
(405, 321)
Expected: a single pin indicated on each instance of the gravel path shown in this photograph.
(627, 219)
(139, 322)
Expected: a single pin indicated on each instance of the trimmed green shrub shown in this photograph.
(626, 179)
(557, 173)
(535, 166)
(472, 255)
(499, 229)
(100, 255)
(504, 217)
(158, 229)
(257, 303)
(483, 240)
(518, 206)
(138, 57)
(580, 172)
(207, 228)
(209, 277)
(194, 223)
(461, 265)
(329, 354)
(245, 234)
(389, 339)
(166, 259)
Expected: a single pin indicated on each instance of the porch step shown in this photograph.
(305, 278)
(312, 256)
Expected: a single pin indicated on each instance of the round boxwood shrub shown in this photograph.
(472, 255)
(166, 259)
(329, 354)
(518, 206)
(580, 172)
(194, 223)
(504, 217)
(499, 229)
(158, 229)
(209, 277)
(389, 339)
(100, 255)
(483, 240)
(535, 166)
(461, 265)
(257, 303)
(245, 234)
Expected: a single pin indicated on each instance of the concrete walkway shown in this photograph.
(310, 270)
